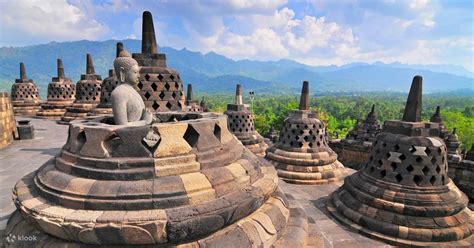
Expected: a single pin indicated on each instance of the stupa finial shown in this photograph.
(22, 71)
(304, 100)
(238, 95)
(119, 48)
(148, 34)
(60, 69)
(438, 109)
(412, 111)
(189, 93)
(90, 64)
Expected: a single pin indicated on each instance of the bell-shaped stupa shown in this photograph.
(302, 154)
(61, 94)
(25, 95)
(88, 91)
(436, 118)
(242, 126)
(160, 87)
(403, 195)
(191, 104)
(108, 85)
(461, 170)
(354, 150)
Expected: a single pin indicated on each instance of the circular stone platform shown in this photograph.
(302, 154)
(195, 183)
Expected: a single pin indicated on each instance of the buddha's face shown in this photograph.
(131, 76)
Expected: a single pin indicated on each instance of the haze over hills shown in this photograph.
(212, 72)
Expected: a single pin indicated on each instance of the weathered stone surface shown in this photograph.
(87, 93)
(25, 95)
(160, 87)
(242, 126)
(184, 180)
(302, 154)
(354, 150)
(404, 195)
(172, 142)
(8, 129)
(61, 94)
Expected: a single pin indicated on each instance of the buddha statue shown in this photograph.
(127, 105)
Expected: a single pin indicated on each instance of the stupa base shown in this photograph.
(77, 111)
(53, 110)
(467, 242)
(255, 143)
(274, 223)
(26, 108)
(296, 174)
(100, 111)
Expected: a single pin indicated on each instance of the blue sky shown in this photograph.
(319, 32)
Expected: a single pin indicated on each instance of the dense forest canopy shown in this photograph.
(342, 112)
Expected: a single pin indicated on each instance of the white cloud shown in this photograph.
(45, 20)
(276, 36)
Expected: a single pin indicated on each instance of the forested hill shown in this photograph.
(212, 72)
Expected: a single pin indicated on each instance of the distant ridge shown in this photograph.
(212, 72)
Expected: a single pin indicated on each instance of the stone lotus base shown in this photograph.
(254, 142)
(100, 111)
(195, 184)
(439, 219)
(53, 110)
(26, 108)
(462, 174)
(305, 168)
(78, 111)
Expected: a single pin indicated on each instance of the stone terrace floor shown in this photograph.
(22, 157)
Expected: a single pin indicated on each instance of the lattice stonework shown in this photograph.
(311, 136)
(240, 122)
(407, 164)
(24, 91)
(88, 92)
(61, 91)
(403, 195)
(108, 85)
(162, 92)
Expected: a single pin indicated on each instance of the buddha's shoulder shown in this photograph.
(120, 90)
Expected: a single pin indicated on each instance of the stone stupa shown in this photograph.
(193, 185)
(242, 126)
(436, 118)
(160, 87)
(25, 95)
(108, 85)
(88, 91)
(302, 154)
(61, 94)
(404, 196)
(191, 104)
(203, 105)
(461, 170)
(354, 150)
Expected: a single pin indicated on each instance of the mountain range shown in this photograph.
(212, 72)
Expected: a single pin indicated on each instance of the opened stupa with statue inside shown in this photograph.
(173, 178)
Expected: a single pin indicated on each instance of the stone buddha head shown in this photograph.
(127, 69)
